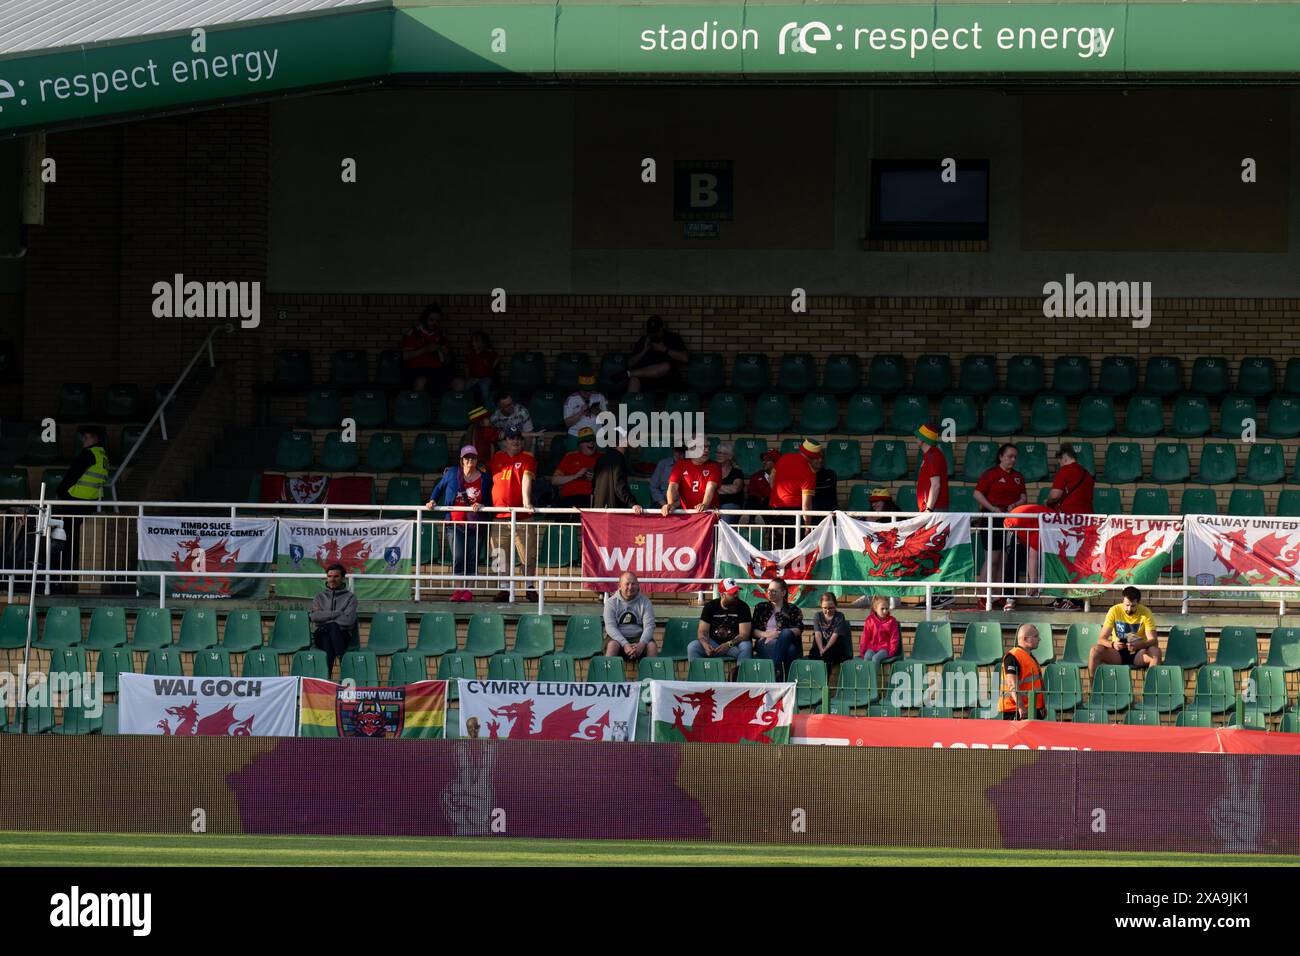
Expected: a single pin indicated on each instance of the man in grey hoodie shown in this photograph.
(334, 612)
(629, 621)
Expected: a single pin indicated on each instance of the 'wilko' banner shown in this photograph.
(337, 710)
(1251, 552)
(219, 548)
(679, 546)
(930, 547)
(206, 707)
(362, 547)
(813, 558)
(1094, 549)
(545, 710)
(721, 713)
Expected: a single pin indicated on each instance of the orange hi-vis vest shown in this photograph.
(1031, 680)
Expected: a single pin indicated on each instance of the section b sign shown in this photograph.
(702, 190)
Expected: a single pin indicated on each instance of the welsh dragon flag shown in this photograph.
(813, 558)
(699, 712)
(931, 547)
(1095, 549)
(1250, 552)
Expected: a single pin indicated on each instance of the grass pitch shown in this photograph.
(113, 849)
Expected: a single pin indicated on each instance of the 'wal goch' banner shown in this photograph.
(362, 547)
(928, 548)
(219, 548)
(206, 707)
(811, 559)
(1093, 549)
(546, 710)
(416, 710)
(679, 546)
(721, 713)
(1251, 552)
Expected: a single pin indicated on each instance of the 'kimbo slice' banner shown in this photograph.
(336, 710)
(721, 713)
(1093, 549)
(1251, 552)
(206, 706)
(363, 547)
(221, 548)
(930, 547)
(545, 710)
(679, 546)
(813, 558)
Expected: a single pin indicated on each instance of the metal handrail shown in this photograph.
(162, 406)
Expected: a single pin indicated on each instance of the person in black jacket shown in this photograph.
(334, 612)
(609, 487)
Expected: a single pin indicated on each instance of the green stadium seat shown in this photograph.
(369, 408)
(527, 372)
(407, 667)
(1170, 464)
(390, 371)
(1002, 415)
(13, 484)
(640, 491)
(727, 412)
(339, 455)
(61, 628)
(888, 460)
(1191, 416)
(485, 635)
(437, 634)
(961, 683)
(1284, 649)
(1071, 375)
(1290, 723)
(1079, 642)
(1215, 688)
(559, 547)
(749, 375)
(1266, 464)
(606, 670)
(978, 375)
(214, 662)
(454, 667)
(534, 636)
(40, 720)
(261, 662)
(1210, 376)
(932, 643)
(887, 374)
(678, 634)
(153, 629)
(404, 490)
(1283, 417)
(1112, 688)
(1186, 647)
(122, 402)
(568, 366)
(1218, 464)
(112, 661)
(428, 454)
(1291, 379)
(1256, 376)
(980, 457)
(797, 373)
(844, 457)
(324, 408)
(884, 709)
(865, 414)
(294, 451)
(1238, 647)
(705, 372)
(909, 412)
(932, 375)
(1142, 718)
(1266, 689)
(1234, 411)
(842, 374)
(1246, 503)
(38, 451)
(1096, 416)
(243, 631)
(290, 632)
(309, 663)
(292, 370)
(1086, 455)
(1031, 460)
(505, 666)
(707, 670)
(164, 662)
(810, 680)
(820, 414)
(1252, 718)
(655, 668)
(1288, 503)
(907, 685)
(1144, 416)
(749, 454)
(557, 667)
(1123, 463)
(1162, 689)
(935, 712)
(756, 670)
(961, 410)
(613, 368)
(1062, 687)
(1198, 501)
(1025, 375)
(454, 409)
(547, 410)
(198, 629)
(858, 683)
(1151, 501)
(361, 667)
(348, 369)
(387, 633)
(983, 642)
(1164, 375)
(1107, 501)
(1118, 376)
(961, 499)
(1194, 717)
(74, 401)
(905, 495)
(412, 410)
(685, 403)
(107, 628)
(860, 497)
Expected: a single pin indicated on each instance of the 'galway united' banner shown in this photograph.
(813, 558)
(1251, 552)
(928, 548)
(1095, 549)
(545, 710)
(221, 548)
(679, 546)
(721, 713)
(363, 547)
(337, 710)
(206, 706)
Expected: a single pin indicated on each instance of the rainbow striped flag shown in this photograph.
(334, 710)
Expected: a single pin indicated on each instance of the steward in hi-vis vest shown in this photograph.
(1022, 678)
(87, 476)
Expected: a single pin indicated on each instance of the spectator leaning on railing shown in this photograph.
(464, 486)
(609, 486)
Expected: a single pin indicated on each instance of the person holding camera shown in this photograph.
(657, 355)
(582, 407)
(574, 474)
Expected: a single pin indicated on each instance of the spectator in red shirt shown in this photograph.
(794, 486)
(881, 640)
(693, 482)
(759, 493)
(932, 480)
(481, 365)
(575, 472)
(513, 472)
(1000, 489)
(425, 354)
(1071, 494)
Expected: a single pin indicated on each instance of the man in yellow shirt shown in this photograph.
(1128, 636)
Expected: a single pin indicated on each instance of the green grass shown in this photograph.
(117, 849)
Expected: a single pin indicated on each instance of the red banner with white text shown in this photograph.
(650, 546)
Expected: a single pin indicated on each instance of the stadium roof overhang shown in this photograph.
(93, 61)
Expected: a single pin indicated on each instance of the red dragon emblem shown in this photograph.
(735, 725)
(307, 489)
(1268, 560)
(1095, 561)
(352, 556)
(562, 724)
(191, 556)
(799, 569)
(222, 723)
(917, 554)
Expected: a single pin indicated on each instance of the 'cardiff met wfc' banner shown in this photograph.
(545, 710)
(206, 706)
(416, 710)
(679, 546)
(930, 547)
(221, 548)
(812, 559)
(1251, 552)
(1093, 549)
(721, 713)
(363, 547)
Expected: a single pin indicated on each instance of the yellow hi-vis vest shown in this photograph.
(90, 486)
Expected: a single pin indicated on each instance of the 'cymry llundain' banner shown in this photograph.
(547, 710)
(1251, 552)
(931, 548)
(721, 713)
(811, 559)
(1096, 549)
(362, 547)
(207, 706)
(219, 548)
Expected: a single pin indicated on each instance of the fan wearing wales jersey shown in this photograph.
(693, 483)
